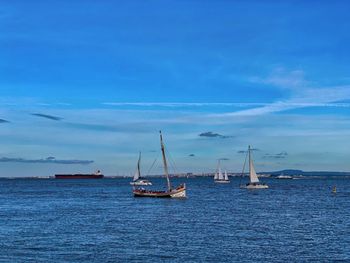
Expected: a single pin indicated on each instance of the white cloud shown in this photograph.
(303, 93)
(282, 78)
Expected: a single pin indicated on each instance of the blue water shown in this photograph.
(100, 221)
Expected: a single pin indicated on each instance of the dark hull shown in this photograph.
(78, 176)
(152, 194)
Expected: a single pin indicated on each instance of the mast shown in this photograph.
(164, 161)
(249, 159)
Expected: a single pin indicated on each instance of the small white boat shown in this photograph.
(282, 176)
(254, 182)
(141, 182)
(219, 177)
(137, 180)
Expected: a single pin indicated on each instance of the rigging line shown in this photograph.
(171, 161)
(245, 161)
(152, 166)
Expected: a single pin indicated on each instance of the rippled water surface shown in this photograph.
(100, 221)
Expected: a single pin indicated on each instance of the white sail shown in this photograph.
(221, 176)
(216, 176)
(218, 172)
(138, 172)
(225, 176)
(252, 174)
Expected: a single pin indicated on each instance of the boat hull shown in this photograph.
(179, 192)
(79, 176)
(254, 186)
(222, 181)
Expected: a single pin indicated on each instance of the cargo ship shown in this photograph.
(97, 175)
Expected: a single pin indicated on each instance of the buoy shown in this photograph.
(334, 190)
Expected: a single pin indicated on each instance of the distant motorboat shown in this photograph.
(178, 192)
(282, 176)
(254, 182)
(219, 177)
(137, 180)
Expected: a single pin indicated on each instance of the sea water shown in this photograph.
(48, 220)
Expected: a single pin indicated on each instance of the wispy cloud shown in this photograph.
(283, 78)
(213, 135)
(46, 116)
(252, 149)
(52, 160)
(302, 94)
(183, 104)
(280, 155)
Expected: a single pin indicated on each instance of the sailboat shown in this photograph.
(219, 177)
(137, 180)
(178, 192)
(254, 182)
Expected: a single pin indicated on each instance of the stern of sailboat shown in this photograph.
(179, 192)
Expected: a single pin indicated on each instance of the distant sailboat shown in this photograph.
(254, 182)
(219, 177)
(137, 180)
(178, 192)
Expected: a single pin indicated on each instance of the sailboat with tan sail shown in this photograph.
(178, 192)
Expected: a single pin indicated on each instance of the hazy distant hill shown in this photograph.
(309, 173)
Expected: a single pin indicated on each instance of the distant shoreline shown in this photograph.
(295, 174)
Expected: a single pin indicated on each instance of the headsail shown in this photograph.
(216, 176)
(252, 174)
(137, 175)
(225, 176)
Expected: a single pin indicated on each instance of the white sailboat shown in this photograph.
(137, 180)
(254, 182)
(219, 177)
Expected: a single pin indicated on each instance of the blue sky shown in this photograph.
(271, 74)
